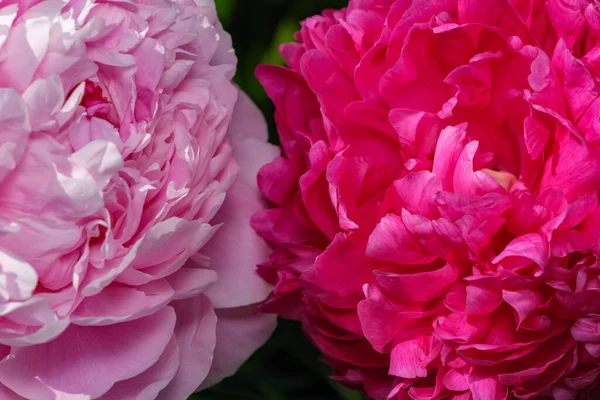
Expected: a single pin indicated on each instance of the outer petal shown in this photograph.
(147, 385)
(236, 249)
(248, 135)
(240, 333)
(88, 360)
(195, 334)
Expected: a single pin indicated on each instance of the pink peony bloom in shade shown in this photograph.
(126, 190)
(435, 216)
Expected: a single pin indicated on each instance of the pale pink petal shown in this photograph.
(240, 333)
(196, 337)
(148, 384)
(235, 250)
(43, 98)
(118, 304)
(10, 395)
(18, 279)
(71, 364)
(248, 136)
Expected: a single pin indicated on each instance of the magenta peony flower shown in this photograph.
(436, 221)
(116, 167)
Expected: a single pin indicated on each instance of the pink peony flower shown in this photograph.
(435, 210)
(116, 167)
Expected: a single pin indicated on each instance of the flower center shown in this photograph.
(94, 101)
(505, 179)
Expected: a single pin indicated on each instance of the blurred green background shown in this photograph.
(287, 367)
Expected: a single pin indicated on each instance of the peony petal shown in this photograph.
(391, 241)
(195, 333)
(14, 137)
(126, 350)
(417, 191)
(454, 206)
(7, 16)
(41, 323)
(327, 279)
(190, 281)
(586, 330)
(159, 253)
(467, 181)
(417, 129)
(481, 300)
(101, 159)
(486, 388)
(18, 279)
(567, 16)
(523, 301)
(409, 359)
(313, 186)
(536, 136)
(44, 97)
(499, 13)
(235, 250)
(334, 91)
(8, 394)
(277, 180)
(240, 333)
(248, 136)
(530, 246)
(456, 381)
(449, 147)
(293, 99)
(420, 286)
(118, 304)
(147, 385)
